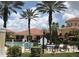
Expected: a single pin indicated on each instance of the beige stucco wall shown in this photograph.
(72, 23)
(64, 31)
(69, 24)
(2, 38)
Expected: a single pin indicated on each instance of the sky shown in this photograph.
(16, 24)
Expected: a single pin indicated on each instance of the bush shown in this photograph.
(35, 43)
(14, 51)
(35, 52)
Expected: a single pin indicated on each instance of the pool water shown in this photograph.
(15, 43)
(21, 44)
(18, 43)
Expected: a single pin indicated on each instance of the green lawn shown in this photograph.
(61, 55)
(54, 55)
(25, 54)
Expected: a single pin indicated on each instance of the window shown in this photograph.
(71, 24)
(68, 24)
(75, 24)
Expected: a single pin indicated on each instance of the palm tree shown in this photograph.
(7, 7)
(51, 7)
(29, 14)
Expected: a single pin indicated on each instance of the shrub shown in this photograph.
(14, 51)
(35, 52)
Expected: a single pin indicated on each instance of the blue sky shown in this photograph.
(30, 4)
(16, 24)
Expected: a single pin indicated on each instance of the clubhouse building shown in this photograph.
(72, 26)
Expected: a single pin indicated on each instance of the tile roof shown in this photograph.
(9, 30)
(34, 31)
(73, 19)
(73, 27)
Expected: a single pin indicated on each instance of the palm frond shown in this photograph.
(34, 19)
(49, 3)
(43, 11)
(35, 16)
(23, 15)
(39, 8)
(29, 13)
(6, 2)
(9, 12)
(13, 10)
(41, 4)
(18, 3)
(18, 7)
(46, 6)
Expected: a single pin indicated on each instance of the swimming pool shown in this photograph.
(21, 44)
(15, 43)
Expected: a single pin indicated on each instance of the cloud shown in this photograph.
(72, 11)
(66, 4)
(66, 16)
(14, 16)
(39, 21)
(74, 4)
(17, 24)
(1, 23)
(43, 21)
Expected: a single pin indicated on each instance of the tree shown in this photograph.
(29, 14)
(7, 7)
(54, 29)
(54, 26)
(10, 36)
(14, 51)
(51, 7)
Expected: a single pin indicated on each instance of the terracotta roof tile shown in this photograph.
(9, 30)
(73, 19)
(34, 31)
(73, 27)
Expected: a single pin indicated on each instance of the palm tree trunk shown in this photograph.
(43, 42)
(29, 28)
(50, 21)
(5, 15)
